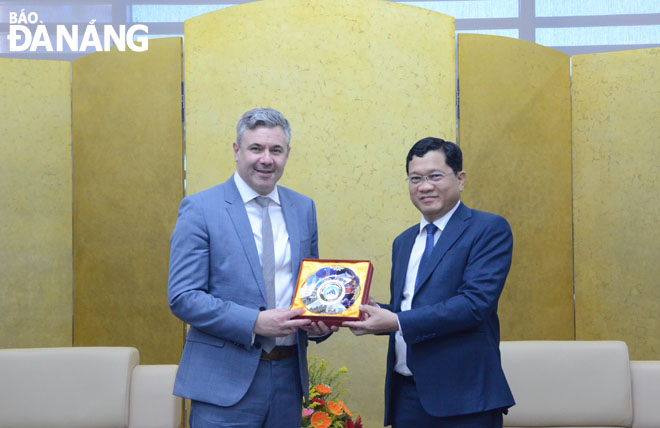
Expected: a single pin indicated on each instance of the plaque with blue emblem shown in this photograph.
(332, 290)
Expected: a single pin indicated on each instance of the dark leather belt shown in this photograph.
(279, 353)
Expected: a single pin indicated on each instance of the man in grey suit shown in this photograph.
(235, 254)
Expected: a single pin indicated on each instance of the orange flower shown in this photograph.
(320, 420)
(334, 408)
(343, 406)
(323, 389)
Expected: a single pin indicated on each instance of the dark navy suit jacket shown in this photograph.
(452, 331)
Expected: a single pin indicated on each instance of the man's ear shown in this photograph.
(235, 146)
(461, 180)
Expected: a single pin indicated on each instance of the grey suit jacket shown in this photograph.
(216, 286)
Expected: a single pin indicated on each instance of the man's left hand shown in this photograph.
(319, 329)
(378, 321)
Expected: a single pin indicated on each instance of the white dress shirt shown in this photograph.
(400, 365)
(283, 274)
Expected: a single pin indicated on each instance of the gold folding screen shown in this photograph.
(35, 213)
(518, 113)
(616, 140)
(360, 83)
(128, 181)
(515, 133)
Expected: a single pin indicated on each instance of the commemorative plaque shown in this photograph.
(332, 290)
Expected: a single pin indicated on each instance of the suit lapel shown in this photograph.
(454, 229)
(291, 220)
(241, 222)
(403, 257)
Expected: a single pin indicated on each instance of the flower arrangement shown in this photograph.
(324, 410)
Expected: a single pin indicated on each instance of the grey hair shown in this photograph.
(259, 117)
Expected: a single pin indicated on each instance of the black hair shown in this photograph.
(453, 154)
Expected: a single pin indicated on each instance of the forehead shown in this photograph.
(433, 160)
(263, 135)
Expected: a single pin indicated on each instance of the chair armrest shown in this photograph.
(645, 393)
(152, 404)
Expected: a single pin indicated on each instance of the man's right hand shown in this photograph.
(279, 322)
(377, 321)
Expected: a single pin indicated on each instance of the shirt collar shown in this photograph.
(248, 193)
(442, 221)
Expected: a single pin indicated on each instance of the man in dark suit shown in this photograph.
(448, 271)
(235, 254)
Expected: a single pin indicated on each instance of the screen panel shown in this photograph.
(616, 139)
(515, 133)
(35, 213)
(128, 182)
(360, 82)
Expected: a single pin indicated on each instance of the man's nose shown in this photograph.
(266, 158)
(425, 185)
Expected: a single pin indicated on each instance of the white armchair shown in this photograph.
(580, 384)
(85, 387)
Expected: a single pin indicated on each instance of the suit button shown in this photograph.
(261, 308)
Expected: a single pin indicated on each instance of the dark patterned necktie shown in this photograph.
(430, 232)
